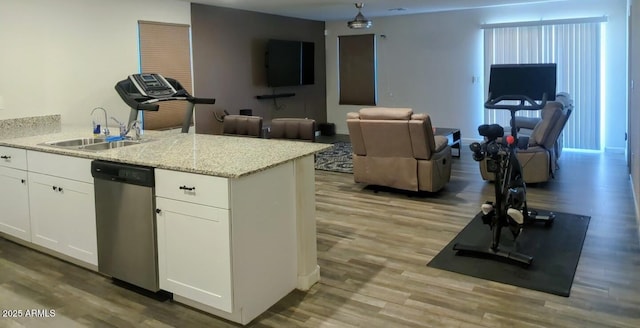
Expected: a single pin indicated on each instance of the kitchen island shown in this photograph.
(255, 196)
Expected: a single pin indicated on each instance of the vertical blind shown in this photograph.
(166, 49)
(575, 48)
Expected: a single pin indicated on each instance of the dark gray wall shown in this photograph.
(229, 64)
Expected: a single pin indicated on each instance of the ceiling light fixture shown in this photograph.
(359, 21)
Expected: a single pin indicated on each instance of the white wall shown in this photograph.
(427, 62)
(65, 56)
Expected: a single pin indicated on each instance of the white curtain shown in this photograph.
(575, 48)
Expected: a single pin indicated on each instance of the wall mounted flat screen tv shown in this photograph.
(531, 80)
(289, 63)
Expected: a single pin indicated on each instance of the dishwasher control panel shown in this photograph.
(125, 173)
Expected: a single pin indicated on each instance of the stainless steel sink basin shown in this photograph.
(92, 144)
(75, 142)
(110, 145)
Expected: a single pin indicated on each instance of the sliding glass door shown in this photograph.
(574, 46)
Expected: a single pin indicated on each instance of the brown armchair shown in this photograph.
(242, 125)
(293, 128)
(525, 125)
(395, 148)
(538, 161)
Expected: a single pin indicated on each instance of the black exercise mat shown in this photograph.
(555, 251)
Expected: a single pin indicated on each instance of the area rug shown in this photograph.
(336, 159)
(555, 251)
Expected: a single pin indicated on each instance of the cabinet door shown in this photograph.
(45, 205)
(14, 203)
(80, 218)
(194, 257)
(63, 216)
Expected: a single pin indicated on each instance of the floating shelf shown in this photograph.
(279, 95)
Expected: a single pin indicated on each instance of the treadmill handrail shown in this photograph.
(155, 100)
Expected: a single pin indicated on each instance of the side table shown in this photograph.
(453, 135)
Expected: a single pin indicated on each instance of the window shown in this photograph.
(357, 65)
(574, 45)
(166, 49)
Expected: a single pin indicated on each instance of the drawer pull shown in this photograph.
(5, 157)
(187, 188)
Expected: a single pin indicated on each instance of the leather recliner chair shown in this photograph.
(525, 125)
(241, 125)
(396, 148)
(538, 160)
(293, 128)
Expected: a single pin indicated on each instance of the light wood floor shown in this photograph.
(373, 250)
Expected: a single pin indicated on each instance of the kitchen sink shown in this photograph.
(110, 145)
(75, 142)
(92, 144)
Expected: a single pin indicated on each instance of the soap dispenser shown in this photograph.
(96, 129)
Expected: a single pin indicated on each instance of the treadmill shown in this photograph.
(145, 90)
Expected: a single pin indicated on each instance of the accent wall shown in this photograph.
(229, 64)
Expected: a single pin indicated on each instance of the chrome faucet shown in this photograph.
(122, 127)
(135, 125)
(124, 130)
(105, 129)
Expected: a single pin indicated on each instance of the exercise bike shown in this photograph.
(510, 206)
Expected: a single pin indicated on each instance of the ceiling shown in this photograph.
(328, 10)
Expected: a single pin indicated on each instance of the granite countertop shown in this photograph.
(223, 156)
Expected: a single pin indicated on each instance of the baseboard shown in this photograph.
(615, 150)
(305, 282)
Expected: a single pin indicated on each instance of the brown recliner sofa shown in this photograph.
(539, 159)
(396, 148)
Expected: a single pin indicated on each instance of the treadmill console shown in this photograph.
(152, 85)
(146, 90)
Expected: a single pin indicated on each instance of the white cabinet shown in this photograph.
(62, 205)
(194, 255)
(14, 193)
(227, 246)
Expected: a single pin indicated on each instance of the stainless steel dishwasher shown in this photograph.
(126, 223)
